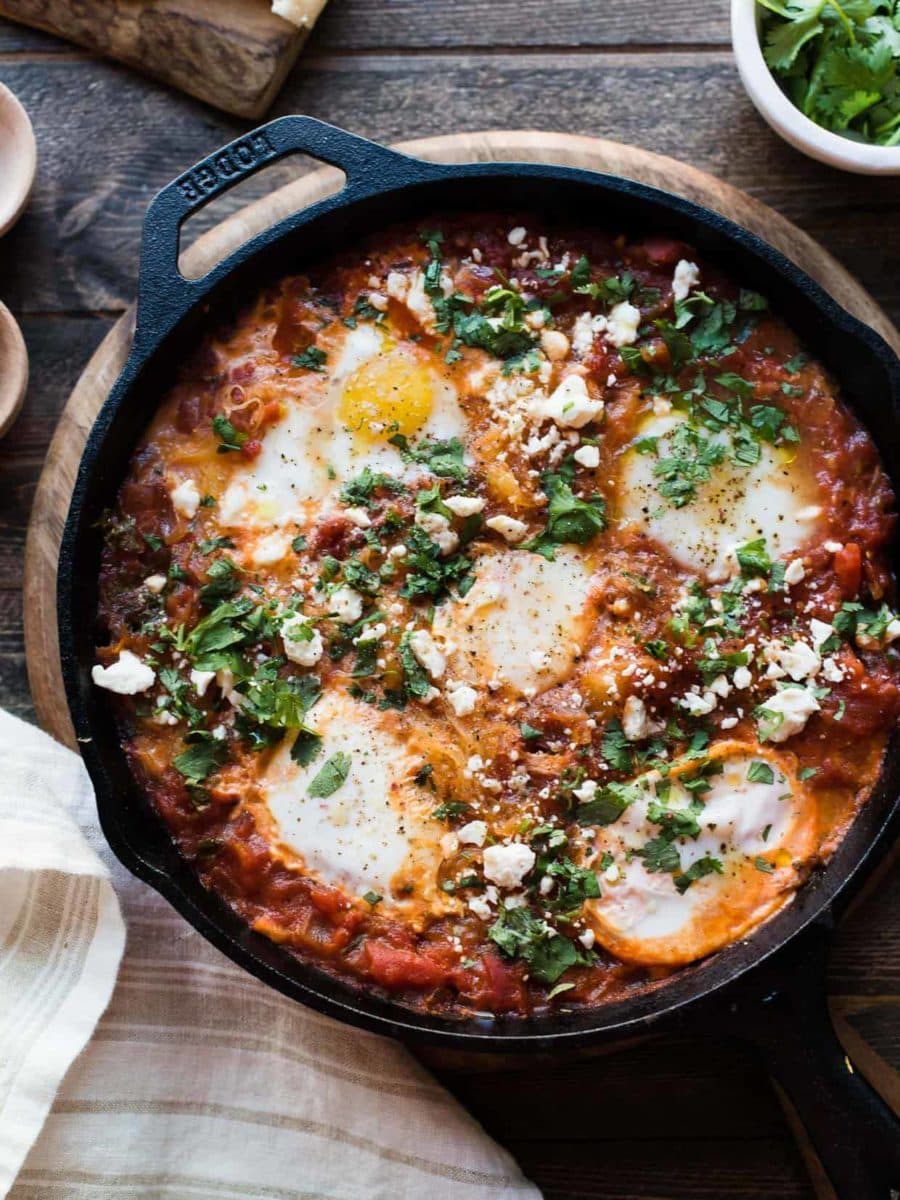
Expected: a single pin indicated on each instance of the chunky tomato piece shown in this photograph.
(396, 968)
(848, 568)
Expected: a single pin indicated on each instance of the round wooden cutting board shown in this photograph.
(55, 487)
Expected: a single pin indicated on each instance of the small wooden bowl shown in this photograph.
(13, 369)
(18, 159)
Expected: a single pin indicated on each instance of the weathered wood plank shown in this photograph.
(76, 247)
(421, 24)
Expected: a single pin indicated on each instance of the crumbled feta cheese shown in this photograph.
(517, 236)
(820, 632)
(225, 680)
(741, 678)
(268, 550)
(588, 456)
(410, 290)
(302, 644)
(687, 276)
(185, 498)
(798, 660)
(697, 705)
(583, 332)
(786, 713)
(358, 517)
(554, 344)
(480, 907)
(508, 527)
(427, 653)
(473, 834)
(587, 938)
(508, 865)
(462, 699)
(570, 405)
(127, 676)
(833, 547)
(201, 681)
(661, 406)
(155, 583)
(438, 529)
(346, 604)
(586, 791)
(398, 551)
(622, 324)
(795, 572)
(636, 723)
(832, 671)
(810, 513)
(464, 506)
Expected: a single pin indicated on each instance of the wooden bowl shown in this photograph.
(18, 159)
(13, 369)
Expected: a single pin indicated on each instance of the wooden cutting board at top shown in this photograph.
(234, 54)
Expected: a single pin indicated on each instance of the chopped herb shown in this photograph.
(762, 864)
(529, 733)
(229, 437)
(607, 805)
(310, 359)
(306, 747)
(372, 898)
(200, 760)
(331, 776)
(443, 458)
(753, 558)
(518, 933)
(298, 544)
(707, 865)
(760, 772)
(450, 810)
(570, 519)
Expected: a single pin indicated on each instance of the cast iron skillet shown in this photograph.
(774, 993)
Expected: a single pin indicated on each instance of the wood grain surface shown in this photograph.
(233, 53)
(673, 1119)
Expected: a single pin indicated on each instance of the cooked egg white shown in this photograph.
(337, 424)
(523, 623)
(777, 499)
(758, 830)
(375, 832)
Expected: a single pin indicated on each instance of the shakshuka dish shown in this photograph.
(499, 616)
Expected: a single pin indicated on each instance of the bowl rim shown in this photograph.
(12, 207)
(785, 118)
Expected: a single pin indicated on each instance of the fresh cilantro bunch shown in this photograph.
(839, 63)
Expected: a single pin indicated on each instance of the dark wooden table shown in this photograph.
(673, 1119)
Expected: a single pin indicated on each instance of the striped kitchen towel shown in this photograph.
(181, 1077)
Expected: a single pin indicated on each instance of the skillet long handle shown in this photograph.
(854, 1134)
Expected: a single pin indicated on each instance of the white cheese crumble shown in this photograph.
(127, 676)
(472, 834)
(554, 344)
(798, 660)
(155, 583)
(583, 331)
(508, 865)
(517, 236)
(464, 506)
(636, 723)
(687, 276)
(786, 713)
(508, 527)
(588, 456)
(438, 529)
(622, 324)
(185, 498)
(201, 680)
(269, 550)
(820, 632)
(462, 699)
(358, 517)
(428, 655)
(346, 604)
(302, 644)
(570, 405)
(795, 572)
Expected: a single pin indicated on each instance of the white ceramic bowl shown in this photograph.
(788, 121)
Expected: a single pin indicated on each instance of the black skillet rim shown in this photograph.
(305, 982)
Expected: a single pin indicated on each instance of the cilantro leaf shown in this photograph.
(331, 776)
(518, 933)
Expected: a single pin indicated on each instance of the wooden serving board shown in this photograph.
(54, 489)
(233, 54)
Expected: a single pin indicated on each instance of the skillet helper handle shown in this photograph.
(164, 294)
(855, 1135)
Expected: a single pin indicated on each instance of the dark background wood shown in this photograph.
(674, 1119)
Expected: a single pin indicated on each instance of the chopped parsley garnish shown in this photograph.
(529, 733)
(306, 747)
(753, 558)
(200, 759)
(229, 437)
(607, 805)
(450, 810)
(222, 582)
(518, 933)
(760, 772)
(415, 680)
(429, 573)
(764, 865)
(570, 519)
(331, 776)
(443, 458)
(707, 865)
(310, 359)
(660, 854)
(360, 491)
(615, 747)
(372, 898)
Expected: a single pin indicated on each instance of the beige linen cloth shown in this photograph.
(167, 1072)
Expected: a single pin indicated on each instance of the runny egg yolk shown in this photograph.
(390, 394)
